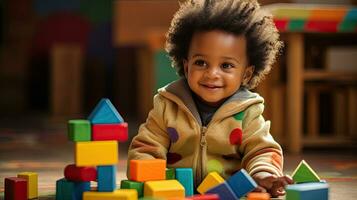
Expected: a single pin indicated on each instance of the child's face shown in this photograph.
(216, 66)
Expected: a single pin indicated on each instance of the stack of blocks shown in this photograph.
(24, 186)
(96, 156)
(308, 185)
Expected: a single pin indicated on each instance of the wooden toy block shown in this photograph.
(66, 189)
(74, 173)
(241, 183)
(185, 177)
(32, 183)
(224, 191)
(147, 170)
(170, 173)
(105, 113)
(205, 197)
(15, 188)
(212, 179)
(96, 153)
(121, 194)
(152, 198)
(79, 130)
(106, 178)
(258, 196)
(138, 186)
(110, 132)
(307, 191)
(164, 189)
(304, 173)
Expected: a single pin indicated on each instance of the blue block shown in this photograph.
(106, 176)
(105, 113)
(185, 177)
(241, 183)
(307, 191)
(224, 191)
(70, 190)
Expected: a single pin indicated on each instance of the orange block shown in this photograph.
(258, 196)
(147, 170)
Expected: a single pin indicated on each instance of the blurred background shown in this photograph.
(58, 58)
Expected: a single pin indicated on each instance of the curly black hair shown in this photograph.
(239, 17)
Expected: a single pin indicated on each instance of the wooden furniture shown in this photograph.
(296, 22)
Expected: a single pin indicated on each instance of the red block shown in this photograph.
(15, 188)
(205, 197)
(83, 174)
(110, 132)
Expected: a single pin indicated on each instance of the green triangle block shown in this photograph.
(304, 173)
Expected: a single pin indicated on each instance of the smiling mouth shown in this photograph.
(211, 86)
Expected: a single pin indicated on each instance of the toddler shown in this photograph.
(209, 120)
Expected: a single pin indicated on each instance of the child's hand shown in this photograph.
(271, 183)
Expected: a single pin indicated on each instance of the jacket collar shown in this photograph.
(179, 92)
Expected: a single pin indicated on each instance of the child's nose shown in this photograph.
(212, 72)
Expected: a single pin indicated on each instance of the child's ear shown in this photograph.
(248, 74)
(185, 67)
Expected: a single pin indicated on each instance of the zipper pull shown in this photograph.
(203, 136)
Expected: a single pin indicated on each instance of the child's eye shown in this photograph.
(227, 65)
(200, 63)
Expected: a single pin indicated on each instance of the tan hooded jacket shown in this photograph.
(236, 137)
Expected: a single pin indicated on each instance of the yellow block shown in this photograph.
(96, 153)
(32, 183)
(164, 188)
(211, 180)
(121, 194)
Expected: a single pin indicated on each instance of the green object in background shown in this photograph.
(79, 130)
(170, 173)
(304, 173)
(138, 186)
(97, 11)
(164, 73)
(347, 26)
(296, 25)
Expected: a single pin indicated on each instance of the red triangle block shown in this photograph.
(83, 174)
(102, 132)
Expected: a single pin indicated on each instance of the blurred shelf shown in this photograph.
(331, 141)
(323, 75)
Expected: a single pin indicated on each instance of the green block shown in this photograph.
(64, 189)
(347, 26)
(138, 186)
(296, 25)
(79, 130)
(170, 173)
(304, 173)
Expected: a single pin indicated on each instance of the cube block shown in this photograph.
(32, 183)
(66, 189)
(185, 177)
(304, 173)
(224, 191)
(241, 183)
(96, 153)
(164, 189)
(102, 132)
(15, 188)
(106, 178)
(105, 113)
(121, 194)
(147, 170)
(258, 196)
(79, 130)
(211, 180)
(307, 191)
(170, 173)
(138, 186)
(74, 173)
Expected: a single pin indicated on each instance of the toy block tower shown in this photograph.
(95, 154)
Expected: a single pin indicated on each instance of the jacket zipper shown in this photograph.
(200, 160)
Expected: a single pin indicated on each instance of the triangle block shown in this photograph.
(304, 173)
(105, 113)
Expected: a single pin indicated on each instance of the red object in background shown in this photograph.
(321, 26)
(110, 132)
(205, 197)
(74, 173)
(281, 24)
(15, 188)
